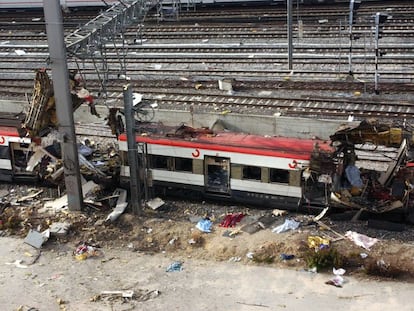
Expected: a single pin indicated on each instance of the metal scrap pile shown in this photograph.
(373, 169)
(43, 157)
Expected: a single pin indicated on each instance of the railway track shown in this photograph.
(205, 97)
(245, 45)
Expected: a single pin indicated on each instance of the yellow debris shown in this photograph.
(316, 242)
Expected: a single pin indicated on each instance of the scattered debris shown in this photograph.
(289, 224)
(361, 239)
(284, 256)
(278, 212)
(155, 203)
(126, 295)
(36, 239)
(18, 264)
(62, 202)
(118, 293)
(33, 193)
(234, 259)
(230, 220)
(175, 266)
(338, 280)
(231, 233)
(121, 205)
(204, 225)
(84, 251)
(317, 243)
(59, 228)
(253, 304)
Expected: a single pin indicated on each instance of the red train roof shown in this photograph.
(8, 131)
(240, 143)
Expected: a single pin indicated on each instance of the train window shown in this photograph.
(279, 176)
(4, 152)
(183, 164)
(159, 162)
(252, 172)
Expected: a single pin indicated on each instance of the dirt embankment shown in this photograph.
(172, 229)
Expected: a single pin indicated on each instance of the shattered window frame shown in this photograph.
(160, 162)
(5, 153)
(279, 176)
(183, 164)
(251, 172)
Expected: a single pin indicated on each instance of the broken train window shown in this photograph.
(252, 172)
(183, 164)
(279, 176)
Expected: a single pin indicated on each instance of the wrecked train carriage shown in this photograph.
(360, 168)
(29, 141)
(235, 167)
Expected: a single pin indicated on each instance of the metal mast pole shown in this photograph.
(289, 36)
(134, 181)
(351, 20)
(64, 107)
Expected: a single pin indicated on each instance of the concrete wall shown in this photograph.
(254, 124)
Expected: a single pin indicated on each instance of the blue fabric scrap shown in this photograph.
(204, 225)
(175, 266)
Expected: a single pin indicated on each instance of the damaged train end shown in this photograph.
(373, 168)
(30, 141)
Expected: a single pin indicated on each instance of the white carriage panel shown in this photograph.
(123, 145)
(267, 161)
(21, 140)
(178, 177)
(266, 188)
(6, 140)
(5, 164)
(236, 158)
(171, 151)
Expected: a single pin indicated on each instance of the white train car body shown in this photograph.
(235, 167)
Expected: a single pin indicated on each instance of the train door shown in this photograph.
(217, 175)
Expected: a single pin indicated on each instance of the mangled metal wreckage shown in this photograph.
(371, 168)
(30, 142)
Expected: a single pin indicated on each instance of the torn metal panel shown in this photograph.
(41, 113)
(121, 205)
(386, 176)
(62, 202)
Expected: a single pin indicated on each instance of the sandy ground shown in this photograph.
(58, 281)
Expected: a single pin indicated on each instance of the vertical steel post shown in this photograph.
(351, 21)
(376, 77)
(63, 101)
(289, 33)
(134, 180)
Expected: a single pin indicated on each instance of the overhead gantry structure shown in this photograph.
(91, 41)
